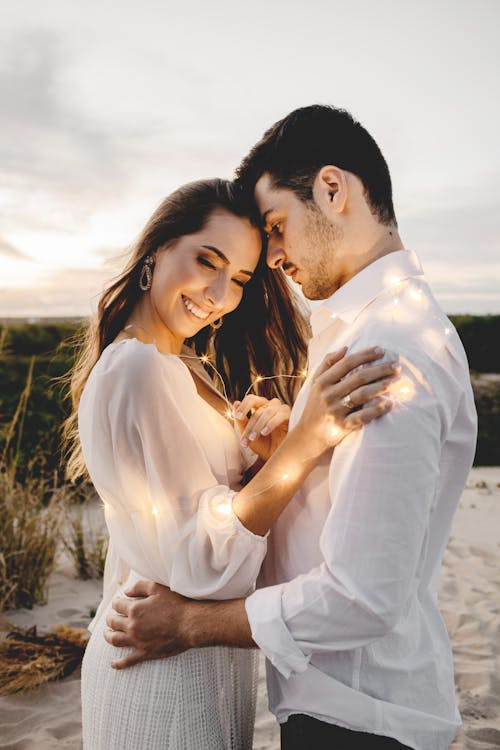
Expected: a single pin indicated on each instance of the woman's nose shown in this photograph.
(216, 293)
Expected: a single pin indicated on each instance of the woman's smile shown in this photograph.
(193, 308)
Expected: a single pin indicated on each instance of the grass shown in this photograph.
(35, 519)
(34, 508)
(30, 519)
(86, 545)
(28, 659)
(29, 533)
(53, 347)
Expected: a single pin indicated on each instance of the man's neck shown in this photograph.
(371, 249)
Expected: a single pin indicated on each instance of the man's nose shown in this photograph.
(275, 254)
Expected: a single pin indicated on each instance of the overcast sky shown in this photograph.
(107, 106)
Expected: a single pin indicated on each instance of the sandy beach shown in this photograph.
(48, 718)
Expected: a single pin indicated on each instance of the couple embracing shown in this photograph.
(267, 485)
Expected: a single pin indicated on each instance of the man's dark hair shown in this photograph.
(295, 148)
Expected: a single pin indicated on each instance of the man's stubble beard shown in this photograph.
(321, 240)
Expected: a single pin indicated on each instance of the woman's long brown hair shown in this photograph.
(266, 334)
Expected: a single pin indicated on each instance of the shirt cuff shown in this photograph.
(270, 632)
(218, 504)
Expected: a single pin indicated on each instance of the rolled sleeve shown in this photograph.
(271, 633)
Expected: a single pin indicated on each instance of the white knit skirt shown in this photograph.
(203, 699)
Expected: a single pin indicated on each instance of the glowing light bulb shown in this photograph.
(334, 432)
(416, 294)
(304, 373)
(394, 280)
(224, 508)
(106, 506)
(258, 378)
(403, 389)
(447, 331)
(229, 414)
(204, 359)
(155, 510)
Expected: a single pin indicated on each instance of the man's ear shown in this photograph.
(330, 189)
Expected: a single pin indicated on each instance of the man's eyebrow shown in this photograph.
(223, 258)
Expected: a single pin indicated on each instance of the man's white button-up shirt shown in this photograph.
(346, 611)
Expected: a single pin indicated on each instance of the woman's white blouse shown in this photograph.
(166, 465)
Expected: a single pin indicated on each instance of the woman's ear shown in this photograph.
(330, 189)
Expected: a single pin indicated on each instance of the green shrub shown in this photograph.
(33, 360)
(480, 335)
(46, 350)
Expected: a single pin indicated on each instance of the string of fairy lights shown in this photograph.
(401, 391)
(225, 507)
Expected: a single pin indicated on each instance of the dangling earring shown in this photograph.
(146, 277)
(217, 323)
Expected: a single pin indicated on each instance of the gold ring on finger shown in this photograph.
(348, 402)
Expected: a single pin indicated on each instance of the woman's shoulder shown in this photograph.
(130, 363)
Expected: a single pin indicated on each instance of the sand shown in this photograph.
(470, 602)
(48, 718)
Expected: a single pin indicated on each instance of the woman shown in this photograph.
(166, 459)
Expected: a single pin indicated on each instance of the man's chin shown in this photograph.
(312, 290)
(312, 294)
(315, 294)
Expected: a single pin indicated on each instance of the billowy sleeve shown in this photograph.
(169, 518)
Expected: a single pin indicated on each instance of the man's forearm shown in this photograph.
(223, 623)
(155, 623)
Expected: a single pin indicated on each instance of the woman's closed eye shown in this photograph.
(205, 262)
(208, 264)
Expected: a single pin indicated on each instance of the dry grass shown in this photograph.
(35, 517)
(86, 545)
(31, 520)
(28, 660)
(29, 532)
(30, 517)
(16, 426)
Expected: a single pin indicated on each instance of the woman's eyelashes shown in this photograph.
(205, 262)
(208, 264)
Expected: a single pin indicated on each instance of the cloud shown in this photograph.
(47, 145)
(64, 293)
(459, 233)
(99, 123)
(456, 232)
(67, 152)
(8, 250)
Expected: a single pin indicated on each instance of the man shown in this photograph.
(346, 610)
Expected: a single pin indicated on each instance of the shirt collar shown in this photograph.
(348, 301)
